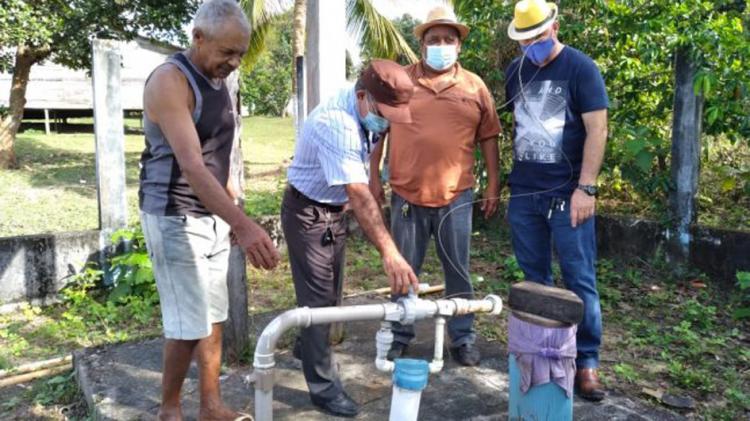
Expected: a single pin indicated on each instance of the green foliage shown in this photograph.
(380, 36)
(63, 29)
(266, 89)
(626, 372)
(405, 26)
(265, 202)
(22, 23)
(94, 313)
(633, 42)
(743, 282)
(61, 389)
(134, 284)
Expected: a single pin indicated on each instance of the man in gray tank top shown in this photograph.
(187, 206)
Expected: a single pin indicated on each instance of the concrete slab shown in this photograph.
(121, 382)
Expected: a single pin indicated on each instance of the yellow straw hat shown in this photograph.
(441, 16)
(531, 18)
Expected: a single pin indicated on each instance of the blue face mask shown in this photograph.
(375, 123)
(539, 51)
(441, 57)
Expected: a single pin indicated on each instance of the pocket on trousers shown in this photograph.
(306, 217)
(185, 239)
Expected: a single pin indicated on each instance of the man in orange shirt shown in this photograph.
(431, 164)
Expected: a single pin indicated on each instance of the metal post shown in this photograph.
(46, 122)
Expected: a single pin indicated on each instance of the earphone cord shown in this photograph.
(522, 93)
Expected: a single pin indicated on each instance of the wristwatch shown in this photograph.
(589, 189)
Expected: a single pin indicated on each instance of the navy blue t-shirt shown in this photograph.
(549, 133)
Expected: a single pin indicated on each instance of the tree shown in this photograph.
(61, 30)
(634, 42)
(378, 34)
(405, 26)
(268, 87)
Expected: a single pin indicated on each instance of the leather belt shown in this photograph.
(299, 195)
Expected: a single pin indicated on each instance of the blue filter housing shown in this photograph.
(411, 374)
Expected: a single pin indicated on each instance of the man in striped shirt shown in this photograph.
(329, 170)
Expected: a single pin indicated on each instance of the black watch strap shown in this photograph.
(589, 189)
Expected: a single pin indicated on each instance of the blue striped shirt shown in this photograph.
(332, 151)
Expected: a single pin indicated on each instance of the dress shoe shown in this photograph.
(341, 405)
(466, 354)
(588, 386)
(398, 350)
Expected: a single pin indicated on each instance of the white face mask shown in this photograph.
(441, 57)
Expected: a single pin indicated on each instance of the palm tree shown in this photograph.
(376, 31)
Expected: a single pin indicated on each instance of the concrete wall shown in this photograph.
(719, 253)
(33, 268)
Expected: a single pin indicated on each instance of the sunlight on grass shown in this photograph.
(55, 187)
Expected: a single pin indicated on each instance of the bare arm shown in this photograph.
(491, 155)
(166, 100)
(367, 211)
(593, 148)
(376, 186)
(583, 206)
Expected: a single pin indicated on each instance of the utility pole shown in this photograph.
(686, 138)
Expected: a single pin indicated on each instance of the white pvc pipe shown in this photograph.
(404, 404)
(437, 359)
(405, 311)
(383, 341)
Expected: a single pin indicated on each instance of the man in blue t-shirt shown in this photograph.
(559, 104)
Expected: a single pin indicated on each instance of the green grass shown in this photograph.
(55, 187)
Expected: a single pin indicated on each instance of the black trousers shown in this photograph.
(317, 269)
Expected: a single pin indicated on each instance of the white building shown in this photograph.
(55, 91)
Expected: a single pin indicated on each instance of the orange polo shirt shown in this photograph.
(431, 159)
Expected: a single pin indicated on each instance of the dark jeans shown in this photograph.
(534, 234)
(317, 270)
(411, 228)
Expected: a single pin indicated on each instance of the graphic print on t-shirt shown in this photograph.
(540, 120)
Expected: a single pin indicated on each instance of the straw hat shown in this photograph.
(531, 18)
(441, 16)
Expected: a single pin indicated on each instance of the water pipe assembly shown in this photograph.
(406, 311)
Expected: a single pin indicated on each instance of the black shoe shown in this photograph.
(341, 406)
(398, 350)
(466, 354)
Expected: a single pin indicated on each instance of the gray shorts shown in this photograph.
(190, 258)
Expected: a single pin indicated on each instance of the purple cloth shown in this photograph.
(543, 354)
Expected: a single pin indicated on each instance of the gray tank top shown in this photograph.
(163, 189)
